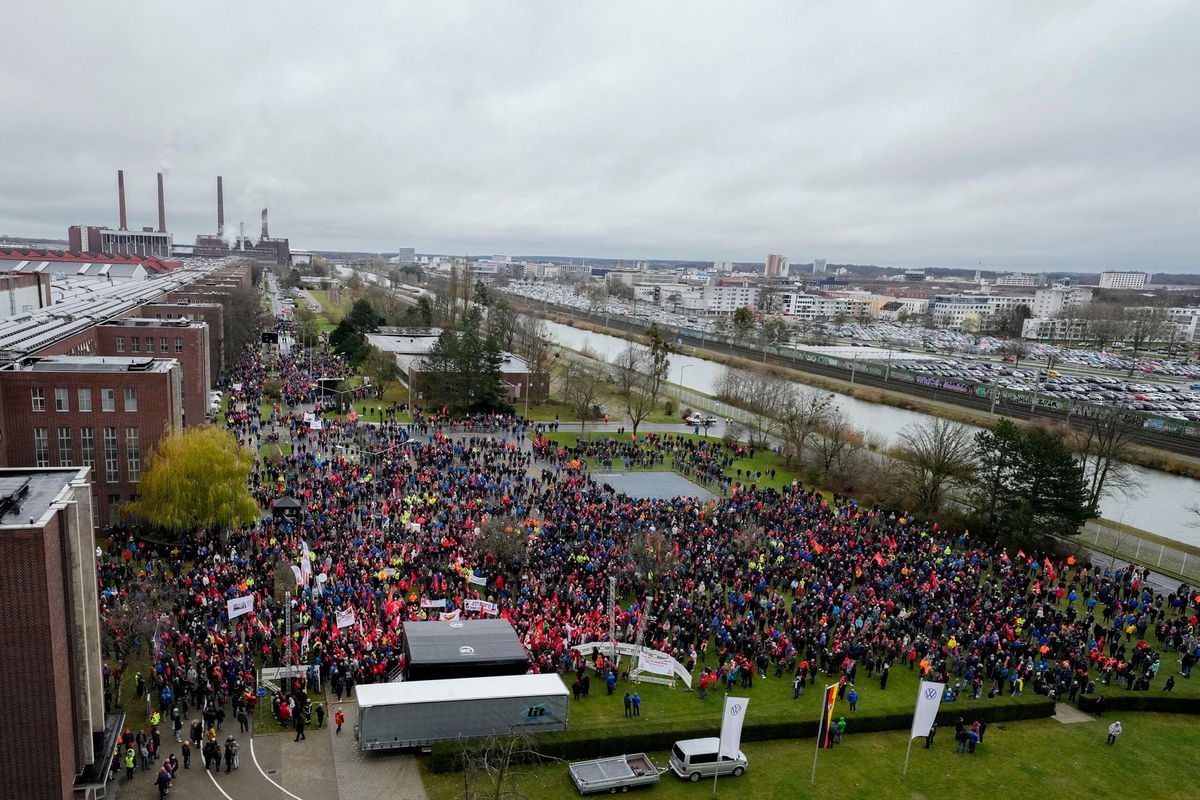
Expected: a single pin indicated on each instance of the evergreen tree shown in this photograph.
(462, 370)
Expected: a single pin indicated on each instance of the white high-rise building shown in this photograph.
(818, 266)
(1123, 280)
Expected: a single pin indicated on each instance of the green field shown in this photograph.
(1033, 759)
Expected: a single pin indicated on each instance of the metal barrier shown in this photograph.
(1126, 546)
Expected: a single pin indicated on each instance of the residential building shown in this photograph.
(59, 741)
(953, 311)
(724, 298)
(1123, 280)
(1019, 279)
(818, 266)
(776, 265)
(1054, 300)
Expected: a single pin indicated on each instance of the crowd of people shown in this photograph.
(393, 516)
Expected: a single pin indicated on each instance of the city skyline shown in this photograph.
(1005, 138)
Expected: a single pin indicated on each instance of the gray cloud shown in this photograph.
(1019, 134)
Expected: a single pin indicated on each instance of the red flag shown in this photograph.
(815, 546)
(825, 729)
(1020, 553)
(879, 559)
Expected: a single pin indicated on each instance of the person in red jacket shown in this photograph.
(338, 719)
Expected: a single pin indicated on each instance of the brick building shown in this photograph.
(104, 413)
(58, 740)
(181, 339)
(211, 313)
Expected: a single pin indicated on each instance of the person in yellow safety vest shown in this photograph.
(155, 718)
(129, 756)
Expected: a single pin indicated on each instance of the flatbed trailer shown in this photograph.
(615, 774)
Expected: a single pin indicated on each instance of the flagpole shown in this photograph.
(821, 725)
(906, 755)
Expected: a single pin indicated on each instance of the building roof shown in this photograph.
(36, 257)
(27, 496)
(154, 322)
(107, 364)
(462, 641)
(545, 684)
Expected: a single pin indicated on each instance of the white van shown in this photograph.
(694, 759)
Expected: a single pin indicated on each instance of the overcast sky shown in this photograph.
(1055, 135)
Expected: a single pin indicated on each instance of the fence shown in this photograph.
(1126, 546)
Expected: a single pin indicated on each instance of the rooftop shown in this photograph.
(92, 364)
(27, 496)
(153, 322)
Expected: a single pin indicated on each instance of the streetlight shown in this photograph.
(679, 386)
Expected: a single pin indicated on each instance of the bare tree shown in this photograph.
(506, 539)
(1143, 326)
(628, 365)
(1102, 448)
(838, 442)
(493, 767)
(580, 390)
(931, 458)
(803, 413)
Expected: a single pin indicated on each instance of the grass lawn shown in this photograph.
(331, 311)
(368, 411)
(762, 461)
(1037, 758)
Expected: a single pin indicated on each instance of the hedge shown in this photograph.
(1142, 701)
(585, 744)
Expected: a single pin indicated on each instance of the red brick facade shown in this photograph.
(51, 437)
(185, 341)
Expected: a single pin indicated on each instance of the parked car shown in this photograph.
(693, 759)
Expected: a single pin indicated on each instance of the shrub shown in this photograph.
(584, 744)
(1143, 701)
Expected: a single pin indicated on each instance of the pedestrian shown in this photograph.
(228, 754)
(704, 685)
(982, 729)
(797, 685)
(1170, 684)
(187, 754)
(960, 737)
(163, 782)
(611, 681)
(637, 704)
(129, 763)
(929, 736)
(1099, 705)
(972, 740)
(839, 730)
(577, 689)
(243, 720)
(852, 696)
(585, 684)
(338, 719)
(628, 704)
(299, 724)
(320, 712)
(1114, 731)
(883, 676)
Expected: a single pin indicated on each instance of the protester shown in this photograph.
(1114, 731)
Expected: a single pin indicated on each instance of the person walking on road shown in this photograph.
(299, 728)
(338, 719)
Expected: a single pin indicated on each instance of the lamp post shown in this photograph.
(679, 386)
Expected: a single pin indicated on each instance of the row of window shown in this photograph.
(83, 398)
(135, 344)
(87, 451)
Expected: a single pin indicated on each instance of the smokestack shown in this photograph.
(220, 208)
(162, 207)
(121, 197)
(264, 232)
(241, 236)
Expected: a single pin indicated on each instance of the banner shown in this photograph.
(481, 605)
(345, 617)
(448, 615)
(305, 563)
(296, 572)
(825, 729)
(929, 697)
(240, 605)
(731, 725)
(478, 580)
(433, 604)
(658, 664)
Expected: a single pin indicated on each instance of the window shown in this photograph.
(135, 344)
(39, 399)
(62, 400)
(41, 447)
(131, 398)
(110, 455)
(65, 454)
(108, 399)
(179, 345)
(84, 396)
(133, 454)
(87, 447)
(149, 344)
(113, 501)
(120, 344)
(163, 345)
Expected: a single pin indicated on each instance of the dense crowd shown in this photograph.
(760, 580)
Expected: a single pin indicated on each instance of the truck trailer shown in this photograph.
(419, 713)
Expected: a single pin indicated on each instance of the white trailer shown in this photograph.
(419, 713)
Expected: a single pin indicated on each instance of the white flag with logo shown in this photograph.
(478, 580)
(240, 605)
(345, 617)
(450, 615)
(929, 697)
(441, 603)
(731, 725)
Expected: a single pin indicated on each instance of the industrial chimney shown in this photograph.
(220, 208)
(121, 198)
(265, 235)
(241, 236)
(162, 207)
